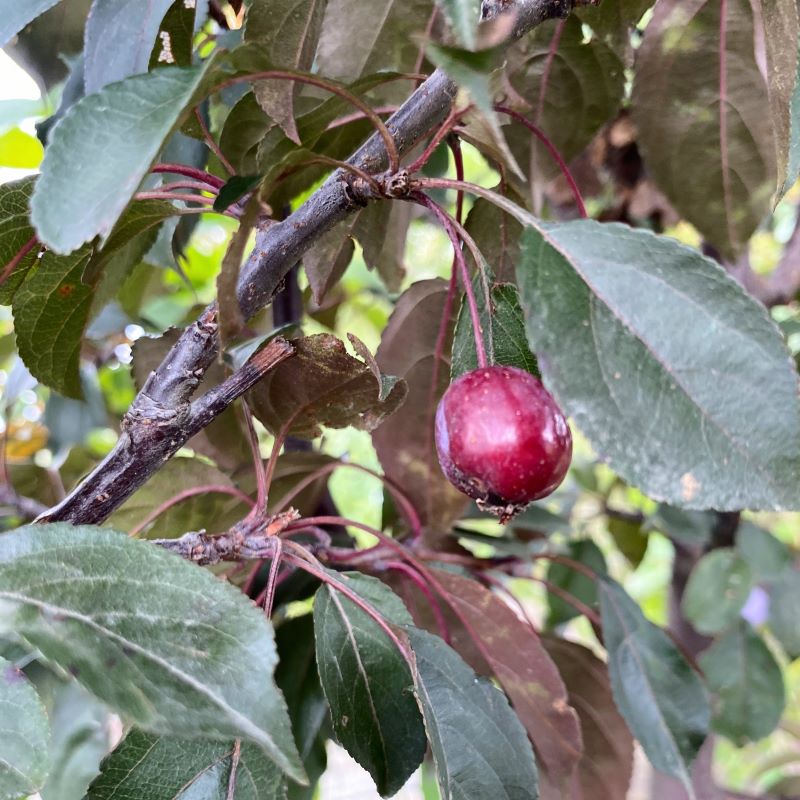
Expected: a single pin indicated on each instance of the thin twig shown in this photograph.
(212, 145)
(186, 494)
(320, 83)
(402, 499)
(553, 150)
(477, 328)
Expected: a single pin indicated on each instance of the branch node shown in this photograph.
(398, 185)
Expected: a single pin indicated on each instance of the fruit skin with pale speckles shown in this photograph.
(502, 439)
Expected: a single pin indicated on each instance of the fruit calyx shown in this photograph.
(502, 439)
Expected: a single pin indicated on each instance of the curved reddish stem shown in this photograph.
(201, 187)
(183, 198)
(444, 129)
(212, 145)
(414, 576)
(303, 560)
(553, 150)
(397, 493)
(310, 80)
(357, 115)
(185, 495)
(189, 172)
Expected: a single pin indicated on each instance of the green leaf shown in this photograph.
(119, 39)
(717, 590)
(630, 537)
(747, 683)
(101, 150)
(173, 44)
(56, 300)
(235, 188)
(245, 126)
(680, 380)
(660, 696)
(793, 145)
(20, 150)
(368, 683)
(80, 740)
(15, 231)
(141, 216)
(160, 640)
(573, 582)
(208, 511)
(572, 86)
(472, 72)
(613, 20)
(288, 32)
(385, 45)
(484, 221)
(321, 384)
(382, 230)
(480, 749)
(503, 332)
(695, 105)
(784, 611)
(298, 679)
(462, 15)
(148, 767)
(51, 310)
(690, 527)
(24, 745)
(15, 16)
(326, 261)
(69, 421)
(766, 556)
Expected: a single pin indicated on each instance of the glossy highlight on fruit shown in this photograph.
(502, 439)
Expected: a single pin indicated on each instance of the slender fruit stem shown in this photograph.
(553, 150)
(477, 329)
(310, 80)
